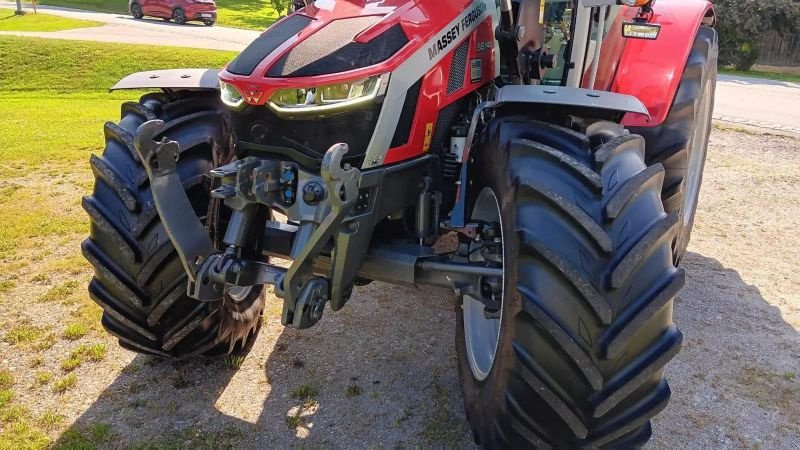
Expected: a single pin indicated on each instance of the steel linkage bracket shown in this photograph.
(188, 235)
(342, 182)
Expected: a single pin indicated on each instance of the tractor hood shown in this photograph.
(340, 41)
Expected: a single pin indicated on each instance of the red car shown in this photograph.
(180, 11)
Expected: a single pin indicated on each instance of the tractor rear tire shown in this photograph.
(679, 143)
(139, 280)
(585, 327)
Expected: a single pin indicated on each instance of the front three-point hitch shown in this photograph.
(327, 234)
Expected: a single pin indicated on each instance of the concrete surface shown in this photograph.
(758, 102)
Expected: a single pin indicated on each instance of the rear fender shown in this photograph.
(172, 79)
(650, 70)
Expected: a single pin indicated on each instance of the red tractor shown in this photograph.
(557, 144)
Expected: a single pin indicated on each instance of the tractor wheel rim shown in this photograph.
(239, 293)
(697, 148)
(482, 335)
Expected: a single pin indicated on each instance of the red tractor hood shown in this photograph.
(346, 40)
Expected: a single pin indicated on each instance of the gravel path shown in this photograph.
(384, 367)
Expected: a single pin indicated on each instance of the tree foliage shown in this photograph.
(742, 23)
(281, 6)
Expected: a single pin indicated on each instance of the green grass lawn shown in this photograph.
(767, 75)
(252, 14)
(108, 6)
(54, 101)
(39, 22)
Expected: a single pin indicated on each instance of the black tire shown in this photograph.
(178, 16)
(139, 280)
(208, 23)
(670, 144)
(589, 281)
(136, 11)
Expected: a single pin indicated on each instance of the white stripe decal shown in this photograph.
(414, 68)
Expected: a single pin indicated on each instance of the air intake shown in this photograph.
(458, 68)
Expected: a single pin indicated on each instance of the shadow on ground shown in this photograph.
(384, 369)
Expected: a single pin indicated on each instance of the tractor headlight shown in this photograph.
(230, 95)
(321, 100)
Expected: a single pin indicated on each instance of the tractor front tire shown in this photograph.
(679, 143)
(139, 280)
(585, 326)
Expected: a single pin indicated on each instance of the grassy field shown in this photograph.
(766, 75)
(54, 100)
(251, 14)
(39, 22)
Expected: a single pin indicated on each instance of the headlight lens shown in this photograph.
(330, 98)
(634, 2)
(230, 95)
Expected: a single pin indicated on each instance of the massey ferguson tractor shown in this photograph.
(540, 158)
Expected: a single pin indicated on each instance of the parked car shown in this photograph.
(179, 11)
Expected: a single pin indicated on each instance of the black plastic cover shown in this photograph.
(246, 62)
(332, 50)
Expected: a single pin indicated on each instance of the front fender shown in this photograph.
(650, 70)
(172, 79)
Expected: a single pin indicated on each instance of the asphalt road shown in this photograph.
(742, 100)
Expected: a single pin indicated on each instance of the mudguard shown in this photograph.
(173, 79)
(651, 69)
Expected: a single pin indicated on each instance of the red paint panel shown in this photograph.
(651, 69)
(610, 53)
(433, 92)
(420, 21)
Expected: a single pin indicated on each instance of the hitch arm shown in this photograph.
(184, 229)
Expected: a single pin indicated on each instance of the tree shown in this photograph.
(281, 6)
(742, 23)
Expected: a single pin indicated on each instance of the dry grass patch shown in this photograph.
(6, 395)
(43, 377)
(24, 334)
(60, 292)
(63, 385)
(7, 286)
(50, 420)
(6, 379)
(45, 343)
(75, 331)
(85, 352)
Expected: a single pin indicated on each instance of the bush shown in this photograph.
(742, 23)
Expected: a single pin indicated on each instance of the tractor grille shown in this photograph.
(305, 141)
(458, 68)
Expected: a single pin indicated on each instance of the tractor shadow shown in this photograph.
(383, 372)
